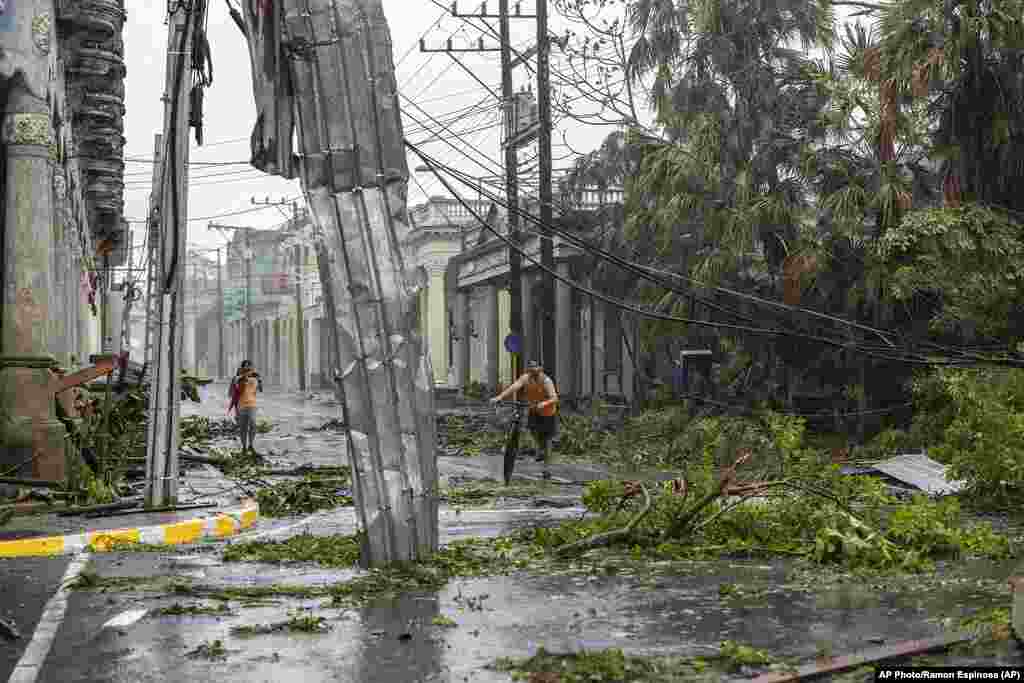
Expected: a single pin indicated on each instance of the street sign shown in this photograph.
(513, 344)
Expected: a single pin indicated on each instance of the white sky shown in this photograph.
(432, 80)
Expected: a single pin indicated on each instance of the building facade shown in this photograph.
(464, 306)
(61, 148)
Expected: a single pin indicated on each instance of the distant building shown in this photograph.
(463, 309)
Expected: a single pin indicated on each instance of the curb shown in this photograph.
(224, 524)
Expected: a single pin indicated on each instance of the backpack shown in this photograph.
(234, 393)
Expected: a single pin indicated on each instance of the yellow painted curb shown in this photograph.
(221, 525)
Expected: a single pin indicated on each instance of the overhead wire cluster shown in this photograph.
(891, 351)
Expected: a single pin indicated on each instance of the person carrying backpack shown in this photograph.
(243, 399)
(542, 421)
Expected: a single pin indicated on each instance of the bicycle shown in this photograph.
(515, 428)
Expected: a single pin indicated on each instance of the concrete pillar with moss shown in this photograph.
(31, 437)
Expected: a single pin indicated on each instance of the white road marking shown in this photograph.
(127, 618)
(28, 667)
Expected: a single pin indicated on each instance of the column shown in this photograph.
(437, 321)
(530, 351)
(60, 264)
(600, 356)
(461, 356)
(115, 319)
(585, 387)
(84, 317)
(629, 355)
(275, 362)
(29, 429)
(489, 334)
(566, 333)
(504, 328)
(313, 353)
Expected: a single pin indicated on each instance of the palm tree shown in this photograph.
(964, 57)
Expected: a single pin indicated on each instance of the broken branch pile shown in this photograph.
(813, 511)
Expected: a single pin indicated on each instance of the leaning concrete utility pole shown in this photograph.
(326, 67)
(165, 387)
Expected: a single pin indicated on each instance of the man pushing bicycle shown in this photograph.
(543, 399)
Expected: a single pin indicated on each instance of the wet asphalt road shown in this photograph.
(26, 584)
(654, 611)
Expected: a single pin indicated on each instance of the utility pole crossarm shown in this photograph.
(483, 14)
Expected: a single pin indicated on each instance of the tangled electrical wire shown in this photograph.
(890, 352)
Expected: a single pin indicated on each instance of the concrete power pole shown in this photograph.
(153, 256)
(547, 255)
(513, 139)
(165, 388)
(515, 260)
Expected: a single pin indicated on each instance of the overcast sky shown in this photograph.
(432, 80)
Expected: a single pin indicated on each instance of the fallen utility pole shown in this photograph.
(165, 386)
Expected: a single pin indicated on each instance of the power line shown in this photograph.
(653, 315)
(220, 215)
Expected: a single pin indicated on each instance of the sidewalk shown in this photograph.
(48, 534)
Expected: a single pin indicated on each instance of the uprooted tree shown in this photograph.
(325, 69)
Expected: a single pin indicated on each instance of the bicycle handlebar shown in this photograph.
(515, 404)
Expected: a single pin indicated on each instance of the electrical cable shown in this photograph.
(701, 323)
(647, 273)
(172, 142)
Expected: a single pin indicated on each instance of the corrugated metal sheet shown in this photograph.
(921, 472)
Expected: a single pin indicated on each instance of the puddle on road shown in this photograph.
(680, 609)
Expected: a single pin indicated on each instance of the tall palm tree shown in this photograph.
(966, 58)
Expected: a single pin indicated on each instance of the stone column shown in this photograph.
(189, 361)
(461, 356)
(275, 353)
(29, 429)
(566, 331)
(490, 335)
(586, 341)
(628, 341)
(115, 316)
(437, 321)
(60, 262)
(313, 353)
(530, 351)
(600, 357)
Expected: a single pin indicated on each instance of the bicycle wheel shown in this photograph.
(511, 451)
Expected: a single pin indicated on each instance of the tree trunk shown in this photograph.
(333, 60)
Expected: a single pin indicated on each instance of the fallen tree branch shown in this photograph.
(728, 477)
(746, 494)
(37, 483)
(216, 462)
(609, 537)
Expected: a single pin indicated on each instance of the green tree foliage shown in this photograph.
(966, 264)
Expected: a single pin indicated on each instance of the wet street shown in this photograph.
(453, 634)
